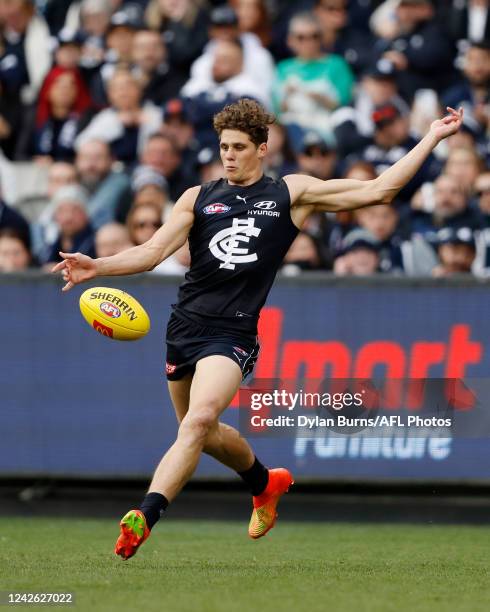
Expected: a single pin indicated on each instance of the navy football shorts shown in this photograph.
(188, 342)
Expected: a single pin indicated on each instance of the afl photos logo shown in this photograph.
(225, 244)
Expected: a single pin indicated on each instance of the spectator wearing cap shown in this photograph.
(257, 61)
(150, 187)
(420, 49)
(67, 48)
(443, 203)
(109, 191)
(456, 249)
(161, 82)
(227, 84)
(355, 45)
(177, 124)
(311, 85)
(162, 154)
(473, 92)
(358, 256)
(112, 238)
(75, 234)
(209, 165)
(183, 26)
(353, 126)
(127, 124)
(15, 255)
(317, 157)
(119, 37)
(63, 101)
(26, 37)
(91, 18)
(392, 140)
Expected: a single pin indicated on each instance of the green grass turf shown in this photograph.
(213, 566)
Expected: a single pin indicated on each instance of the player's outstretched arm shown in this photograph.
(78, 268)
(348, 194)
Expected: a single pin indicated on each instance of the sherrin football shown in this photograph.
(114, 313)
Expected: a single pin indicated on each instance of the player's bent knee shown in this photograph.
(198, 426)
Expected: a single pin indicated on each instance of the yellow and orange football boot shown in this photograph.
(264, 513)
(134, 532)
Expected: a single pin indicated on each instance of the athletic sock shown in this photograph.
(153, 506)
(256, 477)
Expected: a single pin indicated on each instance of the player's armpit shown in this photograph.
(334, 195)
(173, 234)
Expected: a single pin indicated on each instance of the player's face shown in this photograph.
(242, 159)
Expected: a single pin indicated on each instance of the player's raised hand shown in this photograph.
(448, 125)
(75, 268)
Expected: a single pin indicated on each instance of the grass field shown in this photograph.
(213, 566)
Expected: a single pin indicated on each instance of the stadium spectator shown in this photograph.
(63, 100)
(353, 126)
(183, 25)
(355, 45)
(468, 20)
(150, 187)
(119, 38)
(10, 120)
(280, 159)
(209, 165)
(310, 85)
(473, 92)
(359, 255)
(160, 81)
(26, 40)
(227, 83)
(257, 61)
(304, 254)
(67, 49)
(12, 219)
(75, 234)
(14, 252)
(109, 192)
(442, 204)
(482, 194)
(128, 123)
(142, 222)
(253, 17)
(464, 164)
(91, 18)
(392, 140)
(112, 238)
(456, 250)
(44, 229)
(178, 126)
(419, 49)
(162, 154)
(316, 157)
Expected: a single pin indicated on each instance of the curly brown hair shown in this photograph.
(246, 116)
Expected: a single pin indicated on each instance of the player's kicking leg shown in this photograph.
(198, 405)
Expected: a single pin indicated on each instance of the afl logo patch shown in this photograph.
(217, 207)
(266, 205)
(110, 310)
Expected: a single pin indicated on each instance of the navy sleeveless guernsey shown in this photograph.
(238, 241)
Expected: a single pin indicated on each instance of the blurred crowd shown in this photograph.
(106, 111)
